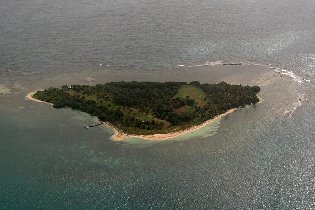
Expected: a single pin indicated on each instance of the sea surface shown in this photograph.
(260, 157)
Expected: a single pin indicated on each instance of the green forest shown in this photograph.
(151, 107)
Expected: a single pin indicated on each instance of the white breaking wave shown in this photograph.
(292, 75)
(214, 63)
(285, 72)
(220, 63)
(296, 105)
(288, 73)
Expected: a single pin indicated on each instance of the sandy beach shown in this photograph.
(29, 96)
(120, 135)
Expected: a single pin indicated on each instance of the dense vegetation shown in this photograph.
(152, 107)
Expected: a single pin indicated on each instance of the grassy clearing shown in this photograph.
(140, 115)
(192, 92)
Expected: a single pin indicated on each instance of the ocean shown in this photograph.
(260, 157)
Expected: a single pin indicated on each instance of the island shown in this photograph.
(151, 109)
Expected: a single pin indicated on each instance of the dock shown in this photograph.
(95, 125)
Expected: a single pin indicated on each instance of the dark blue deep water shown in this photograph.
(258, 158)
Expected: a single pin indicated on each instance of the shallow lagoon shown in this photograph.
(49, 160)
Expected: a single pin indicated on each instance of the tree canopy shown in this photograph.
(151, 107)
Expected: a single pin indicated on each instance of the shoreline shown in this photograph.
(119, 135)
(29, 96)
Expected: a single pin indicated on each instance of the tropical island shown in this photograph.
(151, 108)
